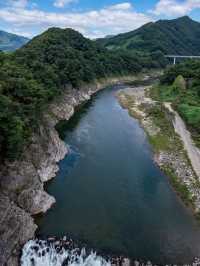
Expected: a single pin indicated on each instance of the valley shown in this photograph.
(99, 147)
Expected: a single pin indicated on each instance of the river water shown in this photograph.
(111, 195)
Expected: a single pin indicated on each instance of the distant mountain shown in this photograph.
(178, 36)
(11, 42)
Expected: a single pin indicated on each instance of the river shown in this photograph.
(111, 195)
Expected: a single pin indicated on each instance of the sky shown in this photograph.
(93, 18)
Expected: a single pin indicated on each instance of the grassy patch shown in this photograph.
(159, 142)
(191, 115)
(197, 215)
(158, 114)
(164, 93)
(166, 139)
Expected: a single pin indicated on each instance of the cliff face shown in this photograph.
(22, 182)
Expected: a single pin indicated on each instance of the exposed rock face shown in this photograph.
(35, 201)
(55, 152)
(16, 227)
(22, 182)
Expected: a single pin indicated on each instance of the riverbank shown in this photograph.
(22, 182)
(169, 152)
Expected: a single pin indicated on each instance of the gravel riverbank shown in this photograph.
(171, 150)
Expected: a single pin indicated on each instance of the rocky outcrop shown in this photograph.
(35, 201)
(16, 227)
(22, 182)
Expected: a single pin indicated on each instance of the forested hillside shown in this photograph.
(11, 42)
(180, 85)
(179, 36)
(33, 75)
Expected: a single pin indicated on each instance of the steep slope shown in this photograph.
(179, 36)
(11, 42)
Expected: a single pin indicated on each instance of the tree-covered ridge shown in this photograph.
(32, 76)
(179, 36)
(11, 42)
(67, 57)
(180, 85)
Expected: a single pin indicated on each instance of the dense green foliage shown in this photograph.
(11, 42)
(179, 36)
(59, 57)
(33, 75)
(184, 93)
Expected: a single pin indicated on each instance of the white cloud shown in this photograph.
(175, 7)
(96, 23)
(122, 6)
(63, 3)
(17, 3)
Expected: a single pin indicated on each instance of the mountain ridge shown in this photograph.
(10, 41)
(179, 36)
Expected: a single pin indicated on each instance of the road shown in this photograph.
(192, 151)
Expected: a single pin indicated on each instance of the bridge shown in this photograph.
(182, 56)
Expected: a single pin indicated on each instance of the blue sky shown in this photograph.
(90, 17)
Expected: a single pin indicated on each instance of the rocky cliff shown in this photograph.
(22, 192)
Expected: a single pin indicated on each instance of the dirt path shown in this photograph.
(192, 151)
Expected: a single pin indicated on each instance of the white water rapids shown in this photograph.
(64, 253)
(44, 253)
